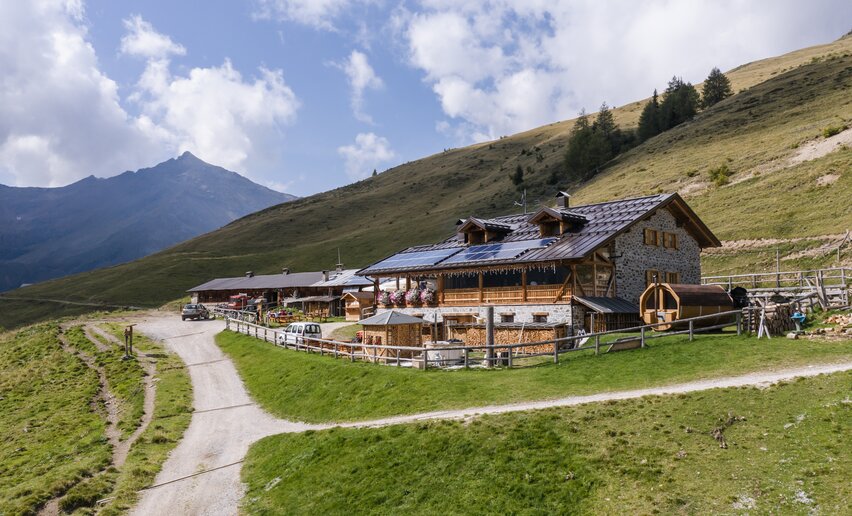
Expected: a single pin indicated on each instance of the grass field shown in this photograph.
(781, 103)
(52, 433)
(788, 453)
(50, 436)
(295, 385)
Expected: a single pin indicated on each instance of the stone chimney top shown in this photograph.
(563, 200)
(249, 274)
(325, 275)
(285, 271)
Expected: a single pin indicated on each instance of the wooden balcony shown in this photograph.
(535, 294)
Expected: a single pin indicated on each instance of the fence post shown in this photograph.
(691, 328)
(510, 354)
(642, 337)
(466, 351)
(597, 344)
(335, 349)
(227, 323)
(739, 323)
(264, 335)
(425, 359)
(555, 352)
(489, 336)
(352, 352)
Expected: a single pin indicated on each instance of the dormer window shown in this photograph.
(556, 222)
(481, 231)
(550, 229)
(475, 237)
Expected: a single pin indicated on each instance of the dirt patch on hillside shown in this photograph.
(820, 147)
(827, 180)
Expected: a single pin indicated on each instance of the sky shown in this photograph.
(307, 95)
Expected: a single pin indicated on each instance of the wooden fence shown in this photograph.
(506, 355)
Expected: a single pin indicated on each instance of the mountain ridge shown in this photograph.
(96, 222)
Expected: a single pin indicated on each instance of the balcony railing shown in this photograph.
(536, 294)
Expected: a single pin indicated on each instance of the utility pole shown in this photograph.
(523, 201)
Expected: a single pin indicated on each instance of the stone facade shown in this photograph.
(634, 257)
(557, 313)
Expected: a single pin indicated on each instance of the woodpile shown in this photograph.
(475, 336)
(777, 319)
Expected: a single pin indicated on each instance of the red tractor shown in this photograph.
(238, 302)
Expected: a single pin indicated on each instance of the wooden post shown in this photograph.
(555, 352)
(524, 284)
(642, 337)
(739, 323)
(481, 282)
(489, 333)
(691, 328)
(597, 344)
(510, 355)
(466, 357)
(425, 359)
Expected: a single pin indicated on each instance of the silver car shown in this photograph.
(194, 311)
(295, 333)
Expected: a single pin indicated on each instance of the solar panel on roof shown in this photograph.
(501, 251)
(415, 259)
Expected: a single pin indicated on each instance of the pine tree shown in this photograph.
(717, 87)
(605, 125)
(680, 103)
(518, 177)
(649, 120)
(375, 173)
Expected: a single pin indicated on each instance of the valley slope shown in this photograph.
(782, 104)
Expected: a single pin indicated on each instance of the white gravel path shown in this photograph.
(227, 421)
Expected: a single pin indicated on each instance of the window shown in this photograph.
(670, 240)
(507, 317)
(652, 276)
(476, 237)
(540, 318)
(550, 228)
(673, 277)
(651, 237)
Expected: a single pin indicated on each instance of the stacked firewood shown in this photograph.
(777, 319)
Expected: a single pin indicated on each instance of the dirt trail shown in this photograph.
(201, 476)
(225, 423)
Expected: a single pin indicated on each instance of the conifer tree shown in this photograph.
(717, 87)
(649, 120)
(680, 103)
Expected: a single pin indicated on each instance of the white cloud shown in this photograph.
(503, 66)
(60, 116)
(361, 77)
(316, 13)
(365, 155)
(142, 40)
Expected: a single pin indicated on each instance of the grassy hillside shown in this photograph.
(785, 455)
(754, 133)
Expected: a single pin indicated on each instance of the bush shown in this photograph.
(721, 175)
(830, 131)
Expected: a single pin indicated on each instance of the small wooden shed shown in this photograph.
(667, 302)
(356, 302)
(392, 328)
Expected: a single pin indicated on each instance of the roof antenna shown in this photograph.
(339, 262)
(523, 201)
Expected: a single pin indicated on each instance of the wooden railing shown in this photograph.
(536, 294)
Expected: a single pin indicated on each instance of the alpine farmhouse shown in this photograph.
(566, 267)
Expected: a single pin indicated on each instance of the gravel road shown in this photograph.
(226, 421)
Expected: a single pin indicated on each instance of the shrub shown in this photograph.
(830, 131)
(721, 175)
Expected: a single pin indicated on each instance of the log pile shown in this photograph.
(777, 321)
(474, 336)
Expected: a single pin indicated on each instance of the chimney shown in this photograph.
(285, 271)
(325, 275)
(339, 267)
(563, 200)
(249, 274)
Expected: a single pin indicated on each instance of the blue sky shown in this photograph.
(303, 96)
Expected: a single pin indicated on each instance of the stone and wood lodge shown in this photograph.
(560, 267)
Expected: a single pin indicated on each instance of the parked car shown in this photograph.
(194, 311)
(295, 333)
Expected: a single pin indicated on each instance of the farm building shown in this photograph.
(566, 266)
(308, 291)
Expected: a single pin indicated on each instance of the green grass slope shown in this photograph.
(285, 382)
(752, 132)
(787, 453)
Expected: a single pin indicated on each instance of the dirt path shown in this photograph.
(225, 423)
(201, 476)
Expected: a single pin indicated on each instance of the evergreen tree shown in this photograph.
(518, 177)
(375, 173)
(680, 103)
(605, 125)
(577, 154)
(716, 87)
(649, 120)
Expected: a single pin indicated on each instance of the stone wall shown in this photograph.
(635, 257)
(557, 313)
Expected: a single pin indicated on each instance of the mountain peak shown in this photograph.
(188, 156)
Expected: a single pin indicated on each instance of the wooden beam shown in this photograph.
(481, 292)
(524, 284)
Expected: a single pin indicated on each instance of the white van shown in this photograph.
(295, 333)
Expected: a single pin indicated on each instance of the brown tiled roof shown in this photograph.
(601, 223)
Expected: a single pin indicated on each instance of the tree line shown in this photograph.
(592, 144)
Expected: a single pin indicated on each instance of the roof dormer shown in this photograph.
(556, 222)
(476, 231)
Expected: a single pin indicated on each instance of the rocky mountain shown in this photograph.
(52, 232)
